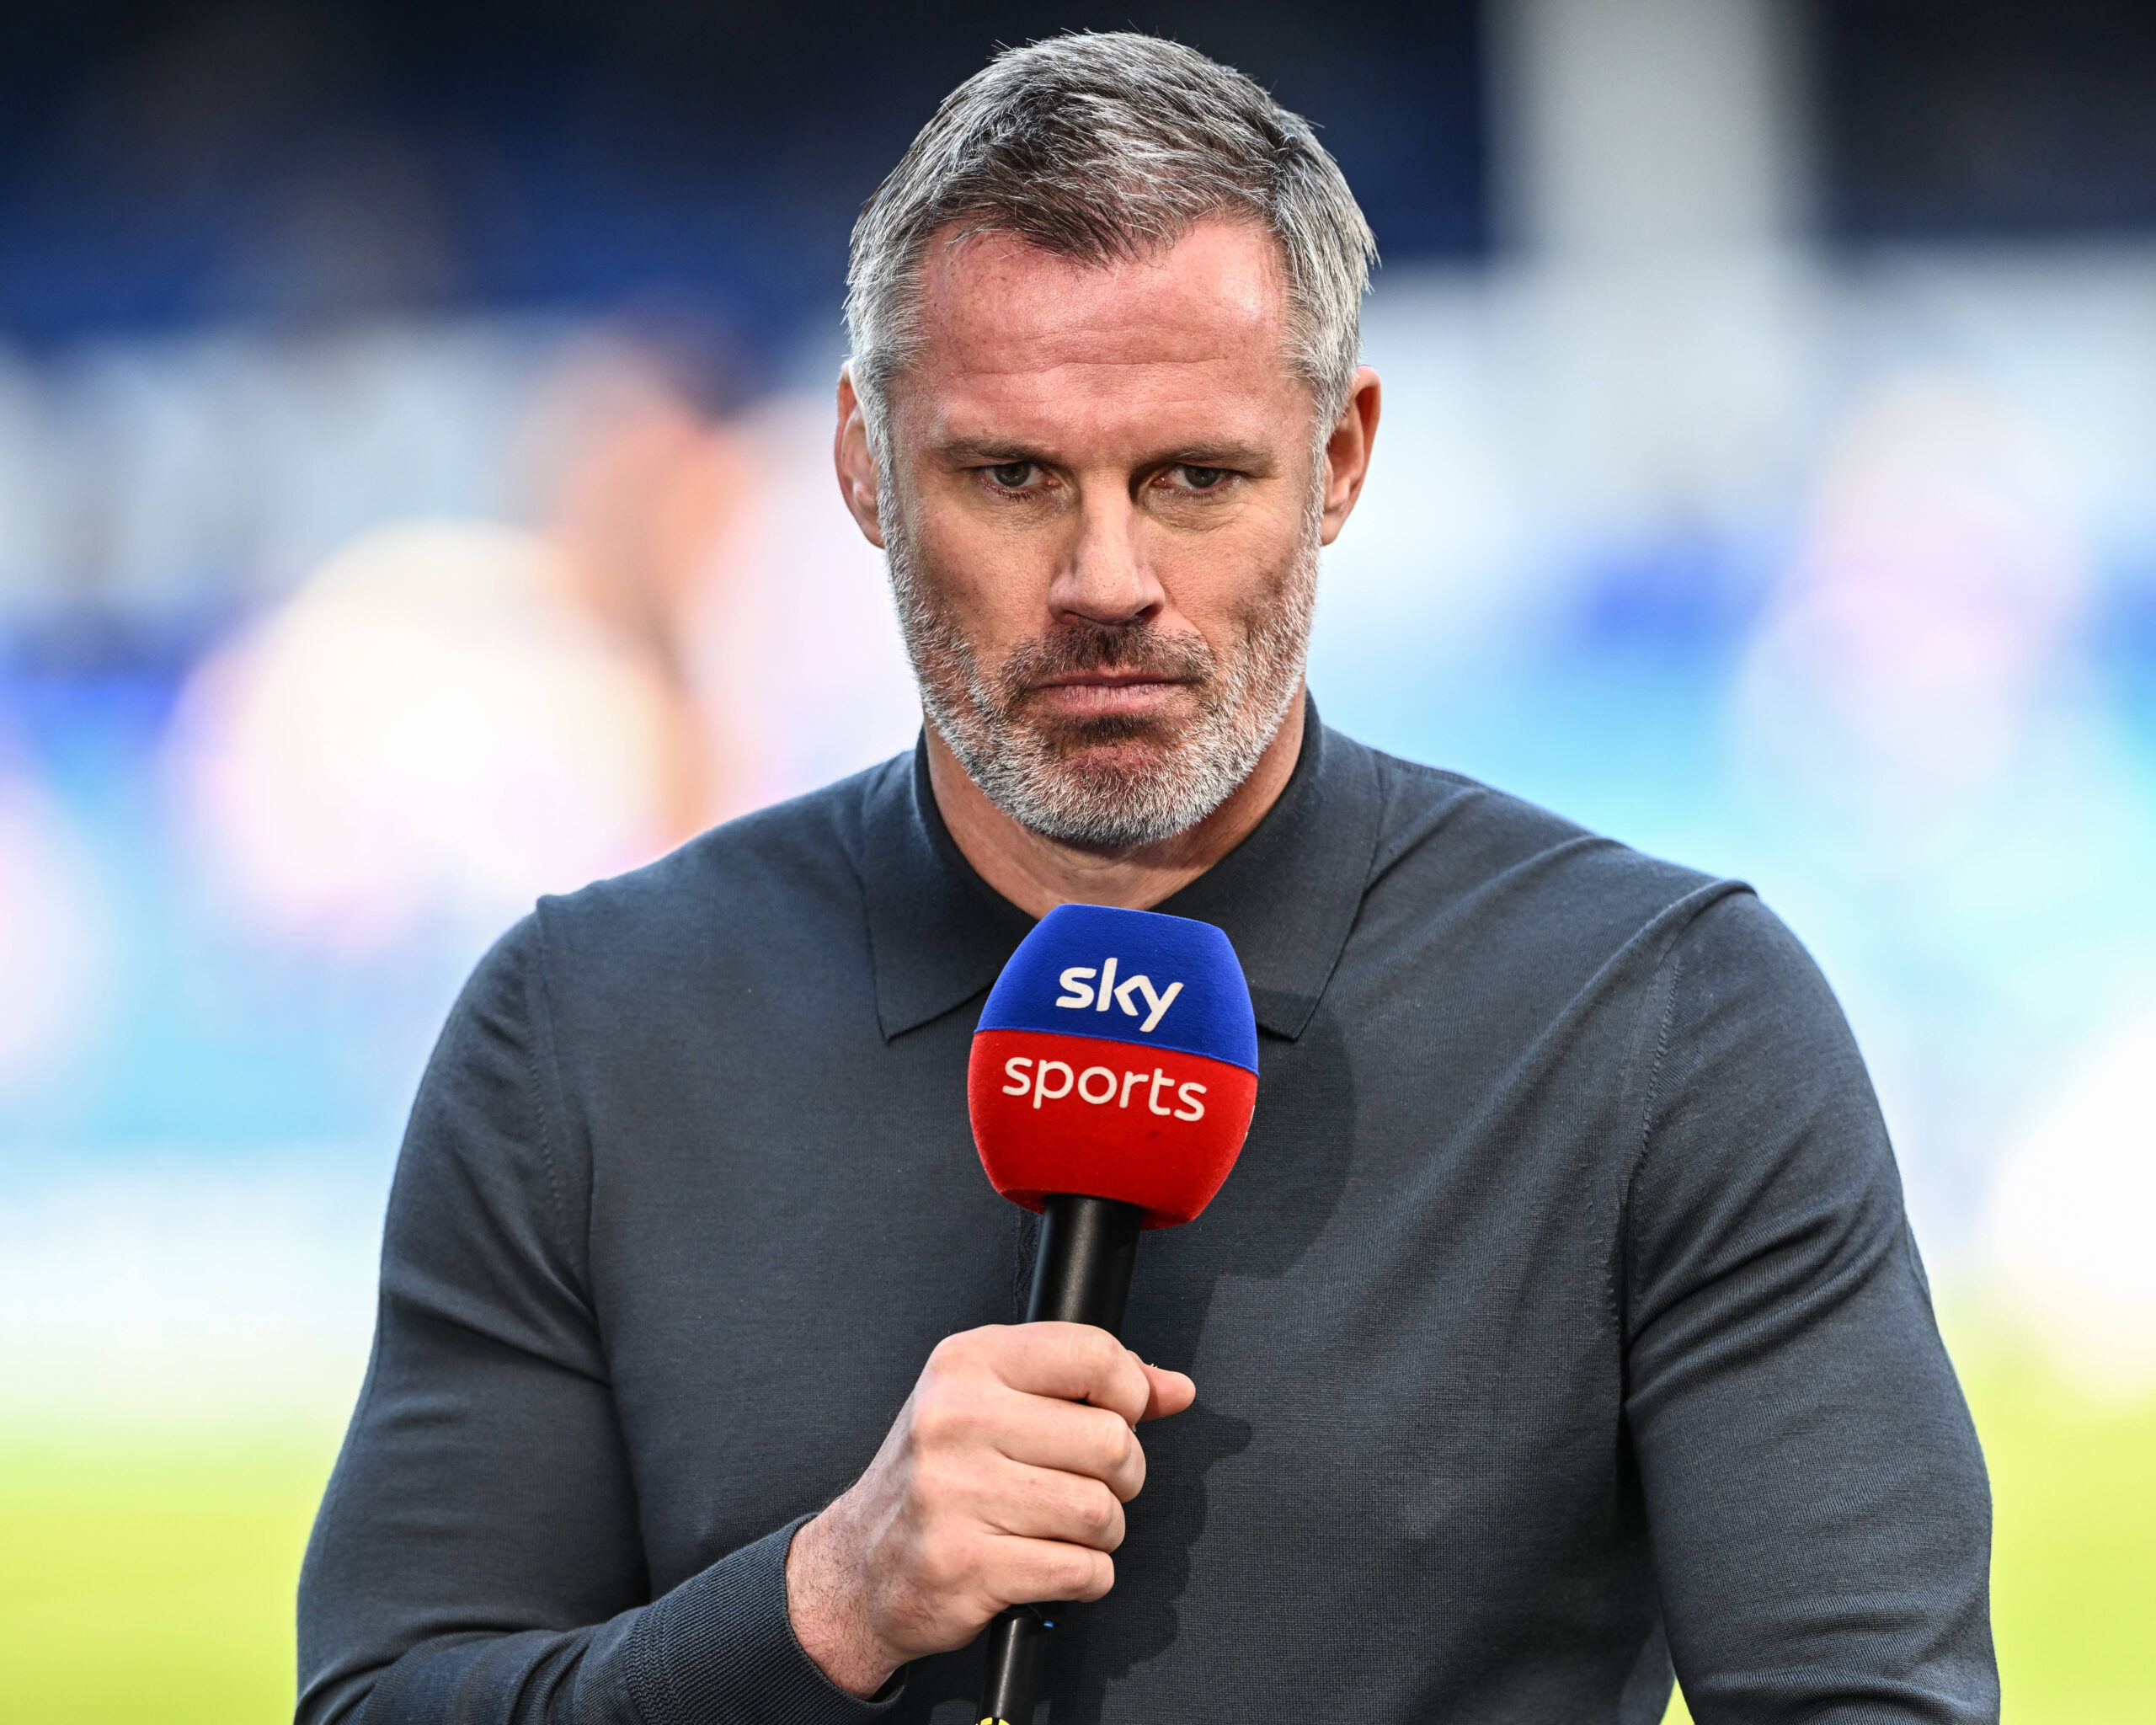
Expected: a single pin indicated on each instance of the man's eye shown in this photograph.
(1011, 476)
(1202, 479)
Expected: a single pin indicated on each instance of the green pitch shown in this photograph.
(150, 1580)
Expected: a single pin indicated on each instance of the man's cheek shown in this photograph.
(1223, 595)
(994, 590)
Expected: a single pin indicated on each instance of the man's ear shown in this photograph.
(1347, 452)
(856, 461)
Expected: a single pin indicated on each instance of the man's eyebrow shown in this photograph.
(983, 449)
(992, 451)
(1217, 455)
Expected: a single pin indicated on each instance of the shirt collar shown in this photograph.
(1287, 896)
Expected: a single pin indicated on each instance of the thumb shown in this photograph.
(1166, 1393)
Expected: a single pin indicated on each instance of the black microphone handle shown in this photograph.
(1081, 1275)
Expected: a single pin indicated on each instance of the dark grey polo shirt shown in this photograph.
(1561, 1317)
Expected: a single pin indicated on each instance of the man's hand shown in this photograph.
(1002, 1482)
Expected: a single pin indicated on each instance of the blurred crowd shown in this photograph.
(336, 626)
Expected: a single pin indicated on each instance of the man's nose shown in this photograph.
(1106, 577)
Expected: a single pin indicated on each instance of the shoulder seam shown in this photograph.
(1624, 1291)
(543, 1003)
(1671, 966)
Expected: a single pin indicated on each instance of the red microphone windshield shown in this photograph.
(1117, 1058)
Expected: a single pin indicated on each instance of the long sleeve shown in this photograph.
(1820, 1516)
(478, 1556)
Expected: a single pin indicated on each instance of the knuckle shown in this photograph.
(1100, 1513)
(951, 1419)
(962, 1351)
(1085, 1512)
(1089, 1575)
(936, 1420)
(1133, 1472)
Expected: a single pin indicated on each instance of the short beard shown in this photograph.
(1076, 781)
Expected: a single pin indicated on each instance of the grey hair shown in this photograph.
(1107, 147)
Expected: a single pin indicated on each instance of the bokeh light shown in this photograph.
(429, 730)
(1905, 658)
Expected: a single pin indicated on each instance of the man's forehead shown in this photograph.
(1003, 322)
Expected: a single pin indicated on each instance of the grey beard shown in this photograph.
(1040, 776)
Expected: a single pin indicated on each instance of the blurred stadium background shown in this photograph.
(413, 497)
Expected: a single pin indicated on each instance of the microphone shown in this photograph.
(1111, 1086)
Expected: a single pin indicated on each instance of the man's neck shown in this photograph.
(1037, 874)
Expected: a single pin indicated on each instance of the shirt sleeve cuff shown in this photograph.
(720, 1648)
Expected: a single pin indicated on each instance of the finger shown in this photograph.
(1074, 1363)
(1170, 1392)
(1044, 1503)
(1022, 1571)
(1070, 1437)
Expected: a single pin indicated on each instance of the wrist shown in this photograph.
(830, 1619)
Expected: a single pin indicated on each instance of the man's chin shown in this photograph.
(1150, 736)
(1109, 797)
(1135, 756)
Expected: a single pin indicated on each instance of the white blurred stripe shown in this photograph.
(170, 1295)
(2073, 1218)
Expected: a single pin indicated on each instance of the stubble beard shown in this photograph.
(1116, 783)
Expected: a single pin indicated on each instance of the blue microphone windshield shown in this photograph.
(1129, 976)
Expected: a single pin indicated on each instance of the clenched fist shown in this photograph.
(1002, 1482)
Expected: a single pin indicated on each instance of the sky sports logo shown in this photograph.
(1079, 994)
(1026, 1074)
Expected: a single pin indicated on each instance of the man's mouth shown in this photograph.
(1105, 694)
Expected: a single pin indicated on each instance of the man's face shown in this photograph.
(1100, 502)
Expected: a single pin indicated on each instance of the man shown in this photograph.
(1560, 1317)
